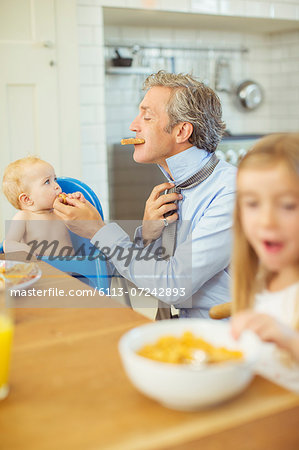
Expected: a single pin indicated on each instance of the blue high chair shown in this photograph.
(95, 271)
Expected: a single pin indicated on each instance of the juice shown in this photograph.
(6, 332)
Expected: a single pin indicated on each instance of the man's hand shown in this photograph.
(155, 208)
(80, 217)
(267, 328)
(77, 195)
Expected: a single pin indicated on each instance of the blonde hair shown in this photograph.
(193, 102)
(247, 274)
(13, 183)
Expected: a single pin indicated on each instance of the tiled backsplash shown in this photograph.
(272, 60)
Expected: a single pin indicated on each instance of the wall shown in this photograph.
(92, 109)
(284, 82)
(123, 92)
(273, 60)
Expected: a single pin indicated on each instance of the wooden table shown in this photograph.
(69, 391)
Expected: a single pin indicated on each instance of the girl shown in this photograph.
(266, 253)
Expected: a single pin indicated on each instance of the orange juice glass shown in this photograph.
(6, 333)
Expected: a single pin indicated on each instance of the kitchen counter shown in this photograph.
(241, 137)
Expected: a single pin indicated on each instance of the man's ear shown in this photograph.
(25, 200)
(184, 131)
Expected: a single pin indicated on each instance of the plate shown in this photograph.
(18, 275)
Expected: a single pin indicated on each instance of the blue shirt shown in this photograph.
(204, 240)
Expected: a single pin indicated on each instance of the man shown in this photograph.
(180, 121)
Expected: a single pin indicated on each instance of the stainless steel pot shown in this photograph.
(249, 94)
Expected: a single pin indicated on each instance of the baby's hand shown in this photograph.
(265, 326)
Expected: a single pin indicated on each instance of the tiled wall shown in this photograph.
(120, 111)
(283, 91)
(92, 107)
(273, 61)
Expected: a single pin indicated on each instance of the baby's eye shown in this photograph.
(55, 179)
(47, 181)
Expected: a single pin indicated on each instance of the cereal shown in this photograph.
(180, 350)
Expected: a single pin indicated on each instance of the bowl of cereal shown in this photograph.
(188, 364)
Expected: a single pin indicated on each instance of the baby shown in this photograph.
(30, 186)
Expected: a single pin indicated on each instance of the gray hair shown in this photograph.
(193, 102)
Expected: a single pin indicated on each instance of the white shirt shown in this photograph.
(281, 306)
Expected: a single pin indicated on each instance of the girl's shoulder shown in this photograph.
(280, 304)
(283, 293)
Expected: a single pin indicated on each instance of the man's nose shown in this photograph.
(135, 125)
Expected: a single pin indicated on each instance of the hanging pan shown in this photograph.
(249, 95)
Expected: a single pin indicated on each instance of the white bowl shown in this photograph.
(186, 387)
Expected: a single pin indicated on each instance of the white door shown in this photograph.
(30, 86)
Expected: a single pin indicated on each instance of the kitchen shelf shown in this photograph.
(128, 70)
(176, 47)
(188, 20)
